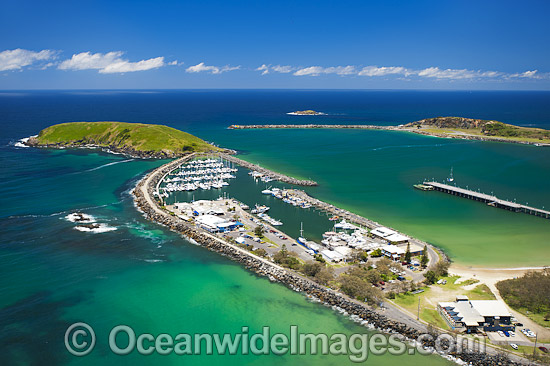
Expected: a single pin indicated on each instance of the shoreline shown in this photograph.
(144, 201)
(387, 128)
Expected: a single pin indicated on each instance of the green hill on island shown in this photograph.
(138, 139)
(489, 130)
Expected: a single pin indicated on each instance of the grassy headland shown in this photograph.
(468, 128)
(137, 139)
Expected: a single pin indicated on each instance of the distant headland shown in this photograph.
(308, 112)
(133, 139)
(447, 127)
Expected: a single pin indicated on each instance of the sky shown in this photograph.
(443, 44)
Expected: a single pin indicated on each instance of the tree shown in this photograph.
(431, 277)
(357, 255)
(376, 253)
(355, 287)
(259, 231)
(261, 252)
(408, 253)
(441, 269)
(424, 260)
(324, 276)
(383, 266)
(287, 259)
(312, 268)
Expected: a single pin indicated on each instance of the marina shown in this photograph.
(490, 200)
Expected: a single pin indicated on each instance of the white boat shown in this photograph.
(267, 191)
(451, 178)
(261, 209)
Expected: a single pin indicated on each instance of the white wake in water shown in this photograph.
(109, 164)
(96, 228)
(80, 217)
(23, 141)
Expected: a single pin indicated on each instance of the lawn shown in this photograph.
(438, 293)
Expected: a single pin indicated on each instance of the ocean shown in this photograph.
(137, 273)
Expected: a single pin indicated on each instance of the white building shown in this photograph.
(214, 223)
(393, 252)
(476, 315)
(389, 235)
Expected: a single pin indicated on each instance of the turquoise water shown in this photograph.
(372, 173)
(153, 280)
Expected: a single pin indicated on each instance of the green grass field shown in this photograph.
(137, 136)
(524, 134)
(436, 293)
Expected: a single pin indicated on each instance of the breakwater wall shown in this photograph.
(144, 200)
(275, 175)
(356, 127)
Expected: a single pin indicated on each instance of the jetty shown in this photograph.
(490, 200)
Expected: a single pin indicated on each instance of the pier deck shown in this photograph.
(488, 199)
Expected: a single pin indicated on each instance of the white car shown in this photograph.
(501, 333)
(514, 346)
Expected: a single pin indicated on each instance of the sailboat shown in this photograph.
(451, 178)
(301, 240)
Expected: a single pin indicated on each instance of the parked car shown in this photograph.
(514, 346)
(543, 349)
(500, 333)
(506, 333)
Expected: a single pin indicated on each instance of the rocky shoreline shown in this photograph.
(144, 200)
(124, 150)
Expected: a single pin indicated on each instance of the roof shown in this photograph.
(464, 312)
(490, 308)
(332, 255)
(210, 220)
(382, 231)
(344, 251)
(393, 249)
(396, 237)
(473, 312)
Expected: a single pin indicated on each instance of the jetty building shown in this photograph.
(472, 316)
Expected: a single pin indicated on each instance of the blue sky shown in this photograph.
(276, 44)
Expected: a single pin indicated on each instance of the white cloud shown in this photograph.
(126, 66)
(527, 75)
(283, 69)
(211, 69)
(383, 71)
(19, 58)
(318, 70)
(456, 74)
(109, 63)
(264, 69)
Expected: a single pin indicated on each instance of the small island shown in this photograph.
(308, 112)
(133, 139)
(478, 129)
